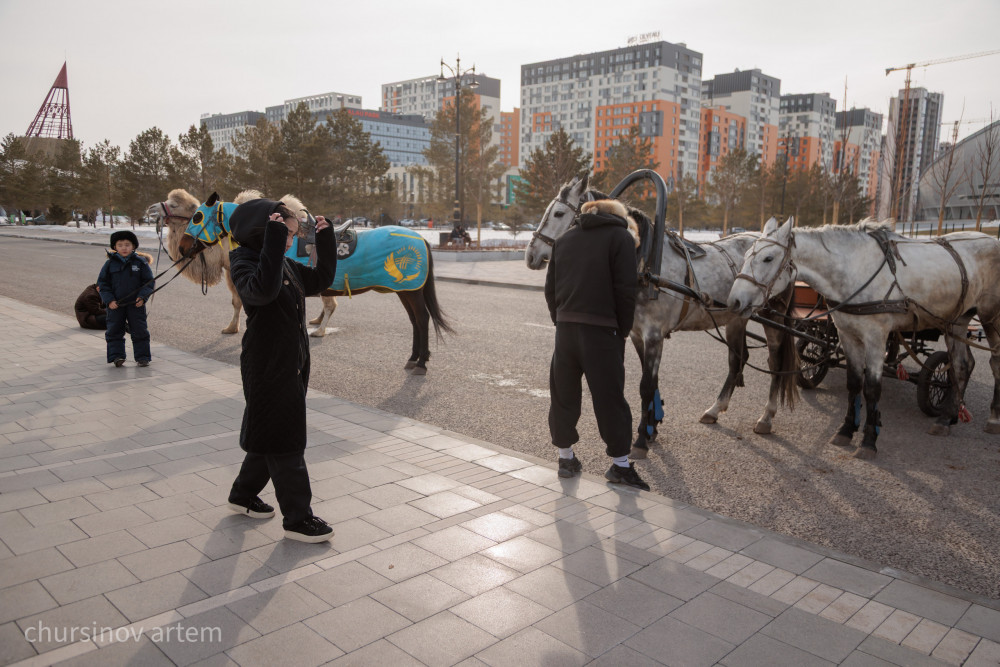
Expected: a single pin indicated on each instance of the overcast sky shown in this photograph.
(135, 64)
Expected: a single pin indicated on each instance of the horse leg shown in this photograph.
(874, 361)
(992, 331)
(738, 354)
(329, 305)
(959, 371)
(234, 324)
(420, 319)
(855, 382)
(649, 395)
(654, 413)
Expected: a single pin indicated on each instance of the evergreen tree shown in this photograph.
(198, 164)
(547, 169)
(98, 182)
(353, 165)
(147, 173)
(630, 152)
(729, 180)
(296, 159)
(12, 160)
(65, 182)
(257, 158)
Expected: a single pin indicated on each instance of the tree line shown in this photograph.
(739, 192)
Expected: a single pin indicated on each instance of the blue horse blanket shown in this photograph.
(386, 259)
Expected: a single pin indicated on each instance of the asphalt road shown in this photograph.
(930, 506)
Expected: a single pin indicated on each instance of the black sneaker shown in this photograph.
(312, 530)
(119, 363)
(569, 467)
(627, 476)
(256, 509)
(144, 362)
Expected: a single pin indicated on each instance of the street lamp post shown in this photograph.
(457, 74)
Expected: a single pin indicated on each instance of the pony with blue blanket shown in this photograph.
(383, 259)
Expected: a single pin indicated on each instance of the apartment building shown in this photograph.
(223, 127)
(858, 146)
(320, 105)
(916, 129)
(596, 97)
(722, 131)
(509, 132)
(755, 96)
(806, 134)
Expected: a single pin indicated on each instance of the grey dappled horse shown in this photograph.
(656, 319)
(911, 285)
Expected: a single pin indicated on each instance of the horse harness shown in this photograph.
(548, 240)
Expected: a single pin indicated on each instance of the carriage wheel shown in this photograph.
(811, 355)
(933, 385)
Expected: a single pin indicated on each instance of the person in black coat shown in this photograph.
(274, 363)
(125, 282)
(590, 289)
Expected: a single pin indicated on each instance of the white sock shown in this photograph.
(565, 452)
(621, 461)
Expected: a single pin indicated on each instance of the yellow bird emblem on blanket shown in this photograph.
(393, 270)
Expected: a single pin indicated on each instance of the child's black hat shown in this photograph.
(124, 235)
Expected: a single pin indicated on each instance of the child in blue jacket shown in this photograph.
(125, 282)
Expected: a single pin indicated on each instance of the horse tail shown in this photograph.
(788, 354)
(441, 323)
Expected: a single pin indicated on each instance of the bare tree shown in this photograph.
(945, 178)
(984, 166)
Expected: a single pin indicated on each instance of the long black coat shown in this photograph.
(275, 358)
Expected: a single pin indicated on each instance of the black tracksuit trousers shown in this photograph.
(597, 353)
(290, 478)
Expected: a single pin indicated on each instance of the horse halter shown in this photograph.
(786, 265)
(548, 240)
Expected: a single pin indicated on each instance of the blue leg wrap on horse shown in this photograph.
(654, 413)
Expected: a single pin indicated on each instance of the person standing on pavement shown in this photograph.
(274, 363)
(125, 282)
(590, 289)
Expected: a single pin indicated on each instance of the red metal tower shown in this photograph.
(52, 119)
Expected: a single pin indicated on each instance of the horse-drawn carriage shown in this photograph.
(820, 350)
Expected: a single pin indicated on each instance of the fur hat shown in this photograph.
(614, 207)
(124, 235)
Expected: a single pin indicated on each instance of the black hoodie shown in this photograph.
(591, 277)
(274, 363)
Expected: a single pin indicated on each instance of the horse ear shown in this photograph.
(585, 180)
(212, 199)
(785, 231)
(769, 227)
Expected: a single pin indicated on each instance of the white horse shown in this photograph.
(711, 274)
(876, 282)
(212, 263)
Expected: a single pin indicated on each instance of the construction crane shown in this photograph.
(904, 112)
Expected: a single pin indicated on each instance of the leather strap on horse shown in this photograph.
(961, 269)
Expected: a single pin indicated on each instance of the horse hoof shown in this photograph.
(709, 418)
(938, 429)
(865, 453)
(639, 453)
(410, 365)
(418, 370)
(318, 333)
(762, 428)
(841, 440)
(230, 331)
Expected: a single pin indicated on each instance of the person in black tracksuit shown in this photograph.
(275, 362)
(125, 282)
(590, 289)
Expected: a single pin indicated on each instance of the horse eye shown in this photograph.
(769, 259)
(559, 214)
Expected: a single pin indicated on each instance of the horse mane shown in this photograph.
(854, 231)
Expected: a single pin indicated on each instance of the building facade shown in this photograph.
(964, 188)
(915, 123)
(509, 134)
(722, 132)
(320, 106)
(858, 146)
(403, 138)
(223, 127)
(806, 134)
(755, 96)
(596, 97)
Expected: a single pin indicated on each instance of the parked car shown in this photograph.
(408, 222)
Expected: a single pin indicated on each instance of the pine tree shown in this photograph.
(547, 169)
(147, 172)
(353, 164)
(98, 187)
(257, 157)
(198, 162)
(630, 152)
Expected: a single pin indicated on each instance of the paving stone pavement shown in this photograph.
(116, 546)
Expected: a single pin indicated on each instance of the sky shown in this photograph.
(136, 64)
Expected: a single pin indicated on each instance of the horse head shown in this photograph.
(208, 225)
(558, 216)
(767, 269)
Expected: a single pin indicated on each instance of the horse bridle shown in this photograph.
(786, 265)
(548, 240)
